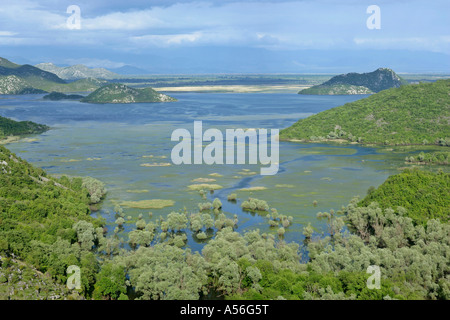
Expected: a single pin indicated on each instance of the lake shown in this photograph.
(128, 147)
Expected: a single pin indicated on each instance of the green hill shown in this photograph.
(15, 85)
(358, 83)
(32, 74)
(82, 85)
(10, 127)
(46, 222)
(78, 71)
(425, 195)
(120, 93)
(413, 114)
(8, 64)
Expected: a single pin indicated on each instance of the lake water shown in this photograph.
(113, 142)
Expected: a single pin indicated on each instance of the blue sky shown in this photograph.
(226, 36)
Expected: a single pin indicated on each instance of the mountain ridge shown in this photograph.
(120, 93)
(27, 79)
(78, 71)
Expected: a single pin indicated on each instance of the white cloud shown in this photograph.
(7, 33)
(433, 43)
(274, 24)
(167, 40)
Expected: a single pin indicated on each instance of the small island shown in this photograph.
(57, 96)
(358, 83)
(120, 93)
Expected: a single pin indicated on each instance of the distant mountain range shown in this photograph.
(34, 77)
(358, 83)
(78, 71)
(26, 79)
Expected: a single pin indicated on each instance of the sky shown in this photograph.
(227, 36)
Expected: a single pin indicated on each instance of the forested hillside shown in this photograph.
(9, 127)
(424, 195)
(46, 221)
(413, 114)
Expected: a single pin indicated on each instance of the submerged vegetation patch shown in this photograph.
(161, 164)
(138, 191)
(203, 180)
(260, 188)
(204, 186)
(148, 204)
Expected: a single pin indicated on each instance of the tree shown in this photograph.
(217, 204)
(177, 221)
(110, 282)
(164, 272)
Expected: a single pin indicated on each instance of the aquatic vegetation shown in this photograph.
(218, 175)
(161, 164)
(95, 187)
(203, 180)
(284, 186)
(138, 191)
(429, 158)
(247, 173)
(204, 186)
(308, 231)
(253, 204)
(253, 189)
(217, 204)
(148, 204)
(205, 206)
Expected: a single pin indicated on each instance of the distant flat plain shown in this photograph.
(245, 83)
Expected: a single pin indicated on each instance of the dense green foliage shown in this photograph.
(120, 93)
(358, 83)
(46, 221)
(425, 195)
(10, 127)
(430, 158)
(413, 114)
(414, 259)
(20, 281)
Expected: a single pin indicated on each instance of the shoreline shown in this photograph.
(235, 88)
